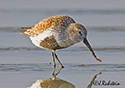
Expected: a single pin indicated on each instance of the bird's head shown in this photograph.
(78, 33)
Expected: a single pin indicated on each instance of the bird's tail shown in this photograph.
(26, 30)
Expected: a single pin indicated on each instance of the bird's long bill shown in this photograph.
(90, 48)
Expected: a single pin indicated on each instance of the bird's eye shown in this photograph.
(80, 32)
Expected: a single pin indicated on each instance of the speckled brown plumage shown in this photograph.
(51, 22)
(50, 43)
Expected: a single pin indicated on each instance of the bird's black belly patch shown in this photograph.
(50, 43)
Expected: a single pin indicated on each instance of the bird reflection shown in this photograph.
(52, 83)
(58, 83)
(91, 82)
(54, 73)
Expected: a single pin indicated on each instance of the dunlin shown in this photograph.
(57, 32)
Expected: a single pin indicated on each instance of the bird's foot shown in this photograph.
(62, 66)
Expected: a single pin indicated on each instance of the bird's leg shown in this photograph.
(58, 72)
(58, 60)
(91, 82)
(53, 57)
(54, 65)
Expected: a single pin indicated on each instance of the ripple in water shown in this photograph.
(48, 67)
(71, 49)
(102, 67)
(24, 67)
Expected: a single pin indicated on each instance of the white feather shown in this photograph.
(37, 39)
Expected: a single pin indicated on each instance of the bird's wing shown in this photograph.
(53, 23)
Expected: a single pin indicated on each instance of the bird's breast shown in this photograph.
(46, 40)
(52, 40)
(64, 40)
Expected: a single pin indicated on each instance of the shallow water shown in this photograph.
(21, 63)
(20, 59)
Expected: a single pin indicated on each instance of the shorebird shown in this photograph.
(57, 32)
